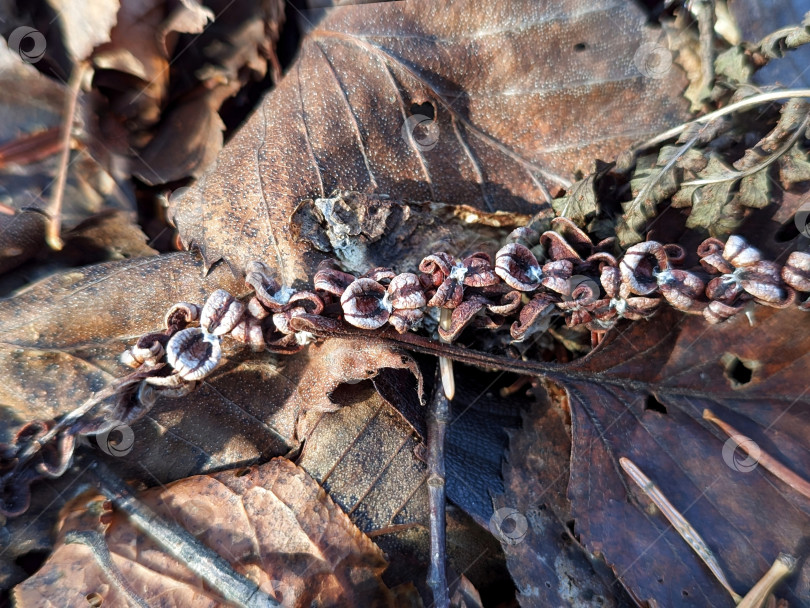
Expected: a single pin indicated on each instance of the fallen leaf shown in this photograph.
(501, 122)
(31, 112)
(63, 335)
(272, 523)
(547, 564)
(641, 395)
(85, 25)
(366, 456)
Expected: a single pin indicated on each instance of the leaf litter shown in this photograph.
(599, 389)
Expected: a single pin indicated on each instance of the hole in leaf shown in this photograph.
(548, 584)
(738, 371)
(425, 109)
(94, 599)
(580, 46)
(570, 525)
(685, 593)
(787, 231)
(31, 561)
(652, 404)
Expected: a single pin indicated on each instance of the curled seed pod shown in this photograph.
(256, 309)
(538, 308)
(381, 275)
(405, 292)
(310, 302)
(717, 311)
(710, 246)
(449, 294)
(148, 349)
(637, 268)
(796, 271)
(332, 280)
(601, 260)
(557, 276)
(681, 289)
(365, 304)
(249, 330)
(405, 318)
(714, 263)
(437, 267)
(675, 253)
(509, 303)
(518, 267)
(221, 313)
(181, 315)
(193, 353)
(478, 271)
(739, 253)
(723, 290)
(268, 291)
(763, 280)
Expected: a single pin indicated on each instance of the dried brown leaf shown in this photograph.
(515, 110)
(272, 523)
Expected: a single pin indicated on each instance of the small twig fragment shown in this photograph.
(759, 593)
(180, 544)
(52, 234)
(445, 364)
(438, 419)
(679, 522)
(748, 102)
(768, 462)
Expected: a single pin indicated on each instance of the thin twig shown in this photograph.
(735, 175)
(66, 422)
(438, 419)
(748, 102)
(767, 461)
(180, 544)
(679, 522)
(755, 598)
(52, 233)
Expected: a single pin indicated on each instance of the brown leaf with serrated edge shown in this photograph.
(501, 122)
(272, 523)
